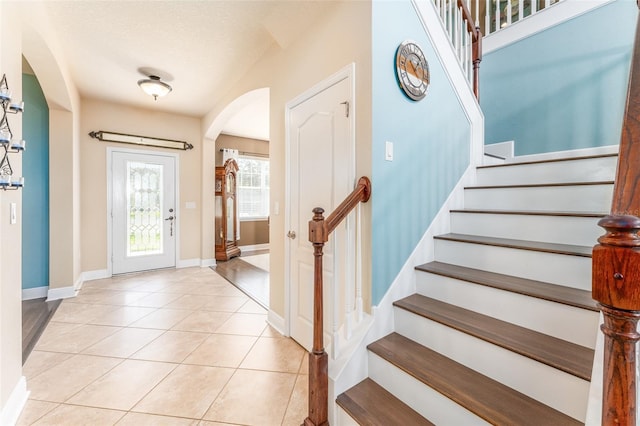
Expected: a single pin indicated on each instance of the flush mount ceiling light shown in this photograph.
(153, 86)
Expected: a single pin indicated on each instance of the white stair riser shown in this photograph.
(582, 231)
(344, 419)
(574, 198)
(570, 271)
(584, 170)
(575, 325)
(423, 399)
(568, 393)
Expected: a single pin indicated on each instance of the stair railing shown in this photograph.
(319, 231)
(616, 268)
(465, 36)
(494, 15)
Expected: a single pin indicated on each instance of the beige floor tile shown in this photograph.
(203, 321)
(252, 307)
(271, 332)
(187, 391)
(71, 415)
(122, 316)
(298, 408)
(162, 319)
(274, 354)
(172, 346)
(141, 419)
(189, 301)
(207, 423)
(222, 350)
(253, 398)
(124, 298)
(155, 300)
(80, 313)
(33, 410)
(40, 361)
(65, 379)
(226, 303)
(72, 338)
(245, 324)
(93, 296)
(123, 386)
(123, 343)
(304, 365)
(153, 285)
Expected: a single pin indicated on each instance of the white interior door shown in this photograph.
(143, 211)
(321, 175)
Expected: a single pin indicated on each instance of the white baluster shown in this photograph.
(520, 10)
(438, 4)
(547, 3)
(487, 19)
(450, 18)
(359, 313)
(509, 8)
(477, 23)
(335, 296)
(350, 280)
(497, 15)
(534, 6)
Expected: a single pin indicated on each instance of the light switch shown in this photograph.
(388, 151)
(276, 208)
(12, 215)
(190, 205)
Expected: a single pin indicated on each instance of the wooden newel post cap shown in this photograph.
(622, 231)
(317, 231)
(616, 277)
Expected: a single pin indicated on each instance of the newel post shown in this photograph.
(616, 286)
(477, 58)
(318, 358)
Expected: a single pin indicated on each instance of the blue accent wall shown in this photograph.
(35, 194)
(563, 88)
(431, 145)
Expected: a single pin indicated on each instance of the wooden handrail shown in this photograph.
(476, 51)
(616, 267)
(319, 231)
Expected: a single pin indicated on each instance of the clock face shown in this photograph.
(412, 70)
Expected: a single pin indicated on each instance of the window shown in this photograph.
(253, 188)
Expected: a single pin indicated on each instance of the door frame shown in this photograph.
(348, 73)
(176, 161)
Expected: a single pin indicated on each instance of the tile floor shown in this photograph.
(176, 347)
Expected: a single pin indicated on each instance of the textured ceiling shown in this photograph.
(201, 47)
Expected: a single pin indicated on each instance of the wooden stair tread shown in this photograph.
(566, 356)
(538, 289)
(483, 396)
(371, 404)
(540, 185)
(568, 249)
(532, 213)
(551, 160)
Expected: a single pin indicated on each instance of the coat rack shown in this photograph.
(10, 144)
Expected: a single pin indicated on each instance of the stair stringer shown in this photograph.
(353, 367)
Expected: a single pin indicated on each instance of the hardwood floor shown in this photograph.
(250, 279)
(36, 314)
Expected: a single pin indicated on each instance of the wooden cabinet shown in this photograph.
(226, 208)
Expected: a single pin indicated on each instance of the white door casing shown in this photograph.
(142, 210)
(321, 173)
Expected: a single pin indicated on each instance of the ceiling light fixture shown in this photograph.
(153, 86)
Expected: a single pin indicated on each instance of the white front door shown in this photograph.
(321, 174)
(143, 211)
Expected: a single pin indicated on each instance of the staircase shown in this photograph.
(502, 327)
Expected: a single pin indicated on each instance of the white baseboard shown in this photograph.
(583, 152)
(254, 247)
(61, 293)
(205, 263)
(277, 322)
(34, 292)
(15, 404)
(188, 263)
(98, 274)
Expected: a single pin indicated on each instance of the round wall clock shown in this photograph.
(412, 70)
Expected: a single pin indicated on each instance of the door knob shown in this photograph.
(291, 234)
(169, 218)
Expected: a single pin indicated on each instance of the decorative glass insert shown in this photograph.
(144, 204)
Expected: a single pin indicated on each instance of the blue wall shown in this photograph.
(35, 194)
(563, 88)
(431, 145)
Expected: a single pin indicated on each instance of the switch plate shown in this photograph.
(276, 208)
(388, 151)
(190, 205)
(12, 214)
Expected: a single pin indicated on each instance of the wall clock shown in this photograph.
(412, 70)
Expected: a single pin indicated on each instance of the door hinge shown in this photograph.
(346, 108)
